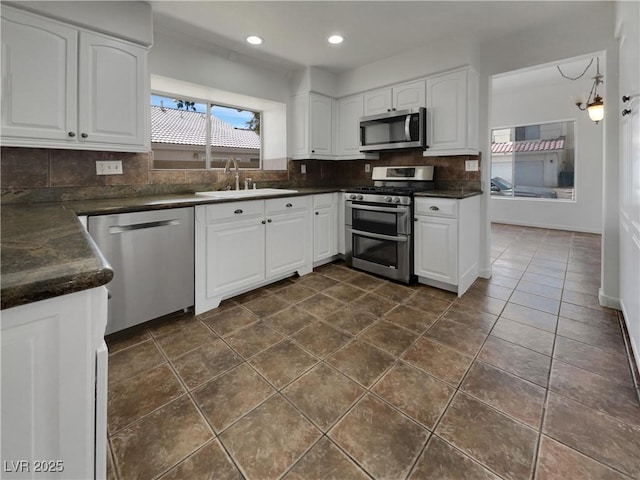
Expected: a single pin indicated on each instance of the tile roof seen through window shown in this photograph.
(181, 127)
(528, 146)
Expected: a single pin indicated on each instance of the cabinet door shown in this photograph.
(287, 243)
(320, 125)
(378, 101)
(447, 111)
(300, 126)
(113, 92)
(324, 234)
(229, 257)
(436, 246)
(409, 96)
(39, 79)
(350, 110)
(49, 392)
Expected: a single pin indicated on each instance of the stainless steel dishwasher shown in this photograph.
(152, 257)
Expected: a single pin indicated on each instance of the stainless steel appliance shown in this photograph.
(379, 221)
(393, 130)
(152, 256)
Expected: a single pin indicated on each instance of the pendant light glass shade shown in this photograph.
(596, 109)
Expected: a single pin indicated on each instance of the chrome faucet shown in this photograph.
(227, 170)
(247, 182)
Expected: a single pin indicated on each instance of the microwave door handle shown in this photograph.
(407, 129)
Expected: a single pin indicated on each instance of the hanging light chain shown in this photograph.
(579, 76)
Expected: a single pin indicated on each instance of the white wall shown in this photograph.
(535, 103)
(176, 58)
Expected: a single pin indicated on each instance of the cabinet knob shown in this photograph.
(84, 135)
(269, 220)
(263, 222)
(626, 112)
(433, 207)
(313, 151)
(288, 205)
(415, 219)
(72, 134)
(317, 213)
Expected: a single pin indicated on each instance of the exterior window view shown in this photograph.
(182, 129)
(534, 161)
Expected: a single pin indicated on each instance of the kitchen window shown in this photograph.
(534, 161)
(189, 133)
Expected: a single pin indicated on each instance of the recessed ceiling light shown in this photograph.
(254, 40)
(335, 39)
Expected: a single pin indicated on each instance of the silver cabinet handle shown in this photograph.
(433, 207)
(398, 209)
(72, 134)
(238, 211)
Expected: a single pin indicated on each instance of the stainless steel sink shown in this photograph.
(258, 192)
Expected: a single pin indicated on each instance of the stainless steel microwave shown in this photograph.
(394, 130)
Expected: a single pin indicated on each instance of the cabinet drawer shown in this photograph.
(234, 210)
(323, 200)
(287, 204)
(441, 207)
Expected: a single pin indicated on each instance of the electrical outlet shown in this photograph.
(113, 167)
(367, 167)
(471, 165)
(303, 168)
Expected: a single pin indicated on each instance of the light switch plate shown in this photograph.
(303, 168)
(112, 167)
(367, 167)
(471, 165)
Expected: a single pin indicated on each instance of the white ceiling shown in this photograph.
(295, 32)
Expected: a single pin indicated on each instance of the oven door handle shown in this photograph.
(379, 236)
(398, 209)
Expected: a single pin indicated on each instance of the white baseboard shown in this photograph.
(607, 301)
(567, 228)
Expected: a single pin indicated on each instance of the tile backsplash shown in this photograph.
(43, 175)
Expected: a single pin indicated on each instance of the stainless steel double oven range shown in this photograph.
(379, 221)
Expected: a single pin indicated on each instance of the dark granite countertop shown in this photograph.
(158, 202)
(46, 252)
(456, 194)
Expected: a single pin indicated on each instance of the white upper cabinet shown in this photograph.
(312, 131)
(452, 119)
(39, 78)
(378, 101)
(350, 110)
(64, 87)
(112, 91)
(400, 97)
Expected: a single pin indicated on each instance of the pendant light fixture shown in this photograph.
(594, 104)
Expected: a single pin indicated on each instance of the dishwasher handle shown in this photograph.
(141, 226)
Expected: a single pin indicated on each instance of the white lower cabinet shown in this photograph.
(240, 246)
(446, 250)
(325, 228)
(54, 387)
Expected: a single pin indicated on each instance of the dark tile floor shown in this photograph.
(342, 375)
